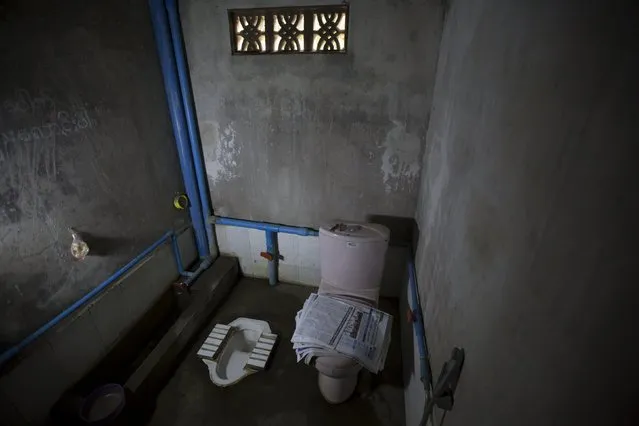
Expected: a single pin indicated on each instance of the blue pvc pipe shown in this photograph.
(264, 226)
(177, 115)
(418, 324)
(192, 276)
(189, 113)
(273, 249)
(178, 257)
(13, 351)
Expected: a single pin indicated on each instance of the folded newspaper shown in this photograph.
(327, 325)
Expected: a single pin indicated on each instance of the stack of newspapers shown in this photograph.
(327, 325)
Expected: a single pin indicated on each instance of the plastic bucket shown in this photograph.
(103, 405)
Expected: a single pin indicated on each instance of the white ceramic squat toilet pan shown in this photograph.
(352, 263)
(235, 350)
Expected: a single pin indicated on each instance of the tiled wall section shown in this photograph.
(63, 355)
(301, 262)
(301, 254)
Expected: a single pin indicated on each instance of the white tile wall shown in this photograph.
(300, 264)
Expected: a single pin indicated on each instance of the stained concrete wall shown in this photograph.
(85, 142)
(303, 139)
(528, 246)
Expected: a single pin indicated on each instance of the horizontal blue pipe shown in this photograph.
(264, 226)
(418, 324)
(13, 351)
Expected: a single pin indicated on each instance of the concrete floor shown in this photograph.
(286, 393)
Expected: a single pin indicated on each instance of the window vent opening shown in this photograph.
(317, 29)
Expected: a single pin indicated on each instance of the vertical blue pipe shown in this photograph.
(418, 324)
(177, 255)
(189, 113)
(273, 249)
(176, 113)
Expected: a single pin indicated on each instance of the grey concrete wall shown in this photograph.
(309, 138)
(528, 208)
(33, 382)
(85, 142)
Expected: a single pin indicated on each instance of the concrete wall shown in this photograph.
(33, 382)
(305, 139)
(85, 142)
(528, 208)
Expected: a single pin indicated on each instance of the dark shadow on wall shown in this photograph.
(85, 140)
(404, 231)
(404, 235)
(102, 245)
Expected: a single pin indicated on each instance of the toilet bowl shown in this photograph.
(235, 350)
(337, 377)
(337, 374)
(352, 263)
